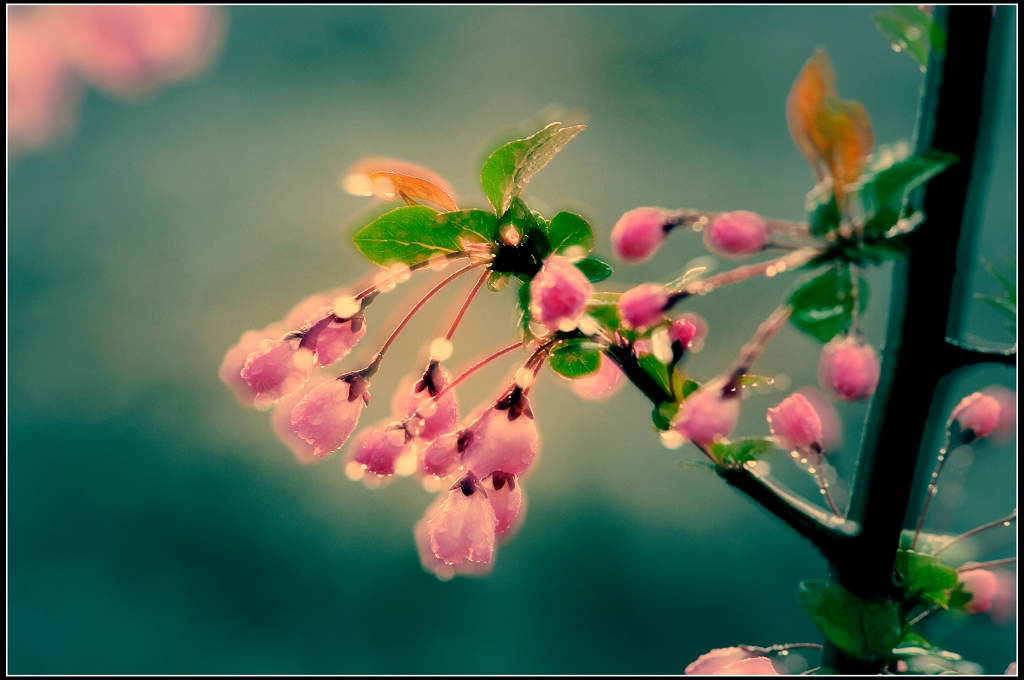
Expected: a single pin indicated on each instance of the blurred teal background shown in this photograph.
(154, 526)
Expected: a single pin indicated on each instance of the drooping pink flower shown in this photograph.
(327, 415)
(558, 294)
(978, 413)
(276, 369)
(1007, 398)
(642, 306)
(442, 456)
(736, 234)
(758, 665)
(982, 585)
(503, 439)
(831, 424)
(128, 49)
(601, 385)
(795, 423)
(716, 660)
(639, 233)
(849, 368)
(709, 413)
(281, 421)
(506, 497)
(462, 528)
(436, 565)
(429, 418)
(330, 337)
(230, 371)
(379, 448)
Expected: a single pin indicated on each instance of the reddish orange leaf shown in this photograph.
(390, 179)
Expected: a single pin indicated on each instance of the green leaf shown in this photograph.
(509, 169)
(822, 210)
(408, 235)
(689, 387)
(472, 225)
(663, 414)
(823, 306)
(739, 451)
(755, 381)
(866, 630)
(575, 358)
(915, 16)
(524, 311)
(959, 597)
(569, 230)
(656, 370)
(913, 644)
(924, 579)
(497, 282)
(904, 37)
(883, 192)
(604, 308)
(594, 269)
(926, 543)
(878, 251)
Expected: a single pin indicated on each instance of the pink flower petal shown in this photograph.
(716, 660)
(440, 416)
(831, 423)
(378, 449)
(982, 585)
(643, 306)
(756, 666)
(230, 371)
(638, 234)
(330, 338)
(736, 234)
(326, 416)
(795, 423)
(558, 294)
(462, 527)
(281, 421)
(849, 368)
(506, 497)
(276, 369)
(707, 415)
(433, 563)
(497, 443)
(442, 456)
(1007, 398)
(978, 413)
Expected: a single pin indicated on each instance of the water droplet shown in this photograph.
(357, 184)
(441, 349)
(524, 377)
(345, 306)
(771, 271)
(671, 439)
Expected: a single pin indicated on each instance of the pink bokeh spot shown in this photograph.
(638, 234)
(558, 294)
(326, 417)
(982, 585)
(795, 423)
(849, 369)
(736, 234)
(462, 528)
(643, 306)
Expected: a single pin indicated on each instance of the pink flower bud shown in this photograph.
(432, 418)
(558, 294)
(831, 423)
(1007, 398)
(795, 423)
(276, 369)
(600, 385)
(643, 305)
(981, 584)
(716, 660)
(758, 665)
(1004, 602)
(736, 233)
(442, 456)
(230, 371)
(639, 233)
(327, 416)
(503, 439)
(378, 449)
(978, 413)
(331, 338)
(708, 414)
(462, 527)
(433, 563)
(506, 497)
(683, 331)
(849, 369)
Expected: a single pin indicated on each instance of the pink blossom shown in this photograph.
(506, 497)
(276, 369)
(756, 666)
(230, 371)
(716, 660)
(558, 294)
(795, 423)
(331, 338)
(436, 565)
(1007, 398)
(462, 527)
(441, 457)
(429, 418)
(709, 413)
(281, 421)
(639, 233)
(378, 449)
(978, 413)
(981, 584)
(128, 49)
(736, 233)
(683, 331)
(831, 424)
(849, 368)
(503, 439)
(327, 415)
(600, 385)
(643, 305)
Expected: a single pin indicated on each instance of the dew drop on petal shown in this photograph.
(345, 306)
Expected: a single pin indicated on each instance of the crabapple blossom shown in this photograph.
(709, 413)
(795, 423)
(330, 337)
(504, 438)
(277, 368)
(506, 497)
(831, 424)
(849, 368)
(377, 450)
(978, 413)
(558, 294)
(736, 234)
(281, 421)
(981, 584)
(1007, 398)
(327, 415)
(442, 456)
(434, 564)
(642, 306)
(639, 233)
(463, 525)
(230, 371)
(602, 384)
(427, 417)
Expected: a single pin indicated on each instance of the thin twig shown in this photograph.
(1012, 517)
(971, 566)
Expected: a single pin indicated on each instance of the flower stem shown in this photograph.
(971, 566)
(435, 261)
(933, 486)
(768, 268)
(765, 332)
(465, 306)
(1005, 521)
(477, 366)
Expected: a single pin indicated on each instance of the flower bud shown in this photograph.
(709, 413)
(639, 233)
(558, 294)
(600, 385)
(378, 449)
(276, 369)
(504, 438)
(643, 305)
(462, 528)
(795, 423)
(230, 372)
(849, 368)
(978, 413)
(281, 421)
(327, 416)
(506, 497)
(736, 234)
(1007, 398)
(683, 331)
(981, 584)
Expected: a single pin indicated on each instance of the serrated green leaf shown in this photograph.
(472, 225)
(569, 230)
(509, 169)
(924, 579)
(663, 414)
(883, 193)
(823, 306)
(524, 311)
(594, 269)
(866, 630)
(408, 235)
(959, 597)
(575, 359)
(739, 451)
(822, 210)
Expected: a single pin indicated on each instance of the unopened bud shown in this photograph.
(736, 233)
(643, 305)
(978, 413)
(981, 584)
(639, 233)
(849, 369)
(795, 423)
